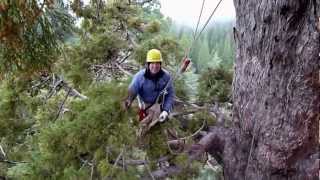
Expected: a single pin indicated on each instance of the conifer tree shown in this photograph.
(61, 90)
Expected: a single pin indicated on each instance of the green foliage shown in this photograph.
(220, 39)
(96, 130)
(215, 173)
(215, 44)
(83, 134)
(19, 171)
(199, 119)
(135, 22)
(204, 57)
(30, 35)
(155, 142)
(103, 36)
(96, 49)
(16, 119)
(153, 27)
(14, 112)
(215, 85)
(120, 10)
(168, 47)
(190, 169)
(180, 89)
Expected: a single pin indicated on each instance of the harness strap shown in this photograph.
(162, 93)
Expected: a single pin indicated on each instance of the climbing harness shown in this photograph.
(150, 114)
(180, 142)
(142, 106)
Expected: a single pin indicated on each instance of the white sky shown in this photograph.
(187, 11)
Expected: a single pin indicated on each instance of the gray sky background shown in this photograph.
(187, 11)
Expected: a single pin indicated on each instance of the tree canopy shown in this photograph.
(63, 74)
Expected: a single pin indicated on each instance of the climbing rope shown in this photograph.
(183, 140)
(195, 36)
(255, 131)
(208, 20)
(195, 32)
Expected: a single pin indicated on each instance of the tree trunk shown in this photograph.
(276, 94)
(276, 91)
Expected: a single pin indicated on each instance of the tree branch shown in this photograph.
(3, 158)
(73, 91)
(214, 110)
(137, 162)
(12, 162)
(123, 70)
(221, 118)
(124, 58)
(2, 151)
(148, 168)
(117, 160)
(213, 143)
(164, 172)
(57, 83)
(143, 2)
(61, 106)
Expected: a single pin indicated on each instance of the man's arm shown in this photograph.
(129, 99)
(168, 100)
(133, 90)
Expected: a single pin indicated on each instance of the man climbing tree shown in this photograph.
(153, 86)
(150, 84)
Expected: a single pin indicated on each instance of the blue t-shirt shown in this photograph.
(149, 89)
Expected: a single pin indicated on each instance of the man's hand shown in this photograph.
(128, 101)
(163, 116)
(127, 104)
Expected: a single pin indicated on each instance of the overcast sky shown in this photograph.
(187, 11)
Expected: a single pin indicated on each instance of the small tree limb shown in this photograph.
(123, 70)
(214, 141)
(2, 151)
(148, 168)
(62, 104)
(12, 162)
(117, 160)
(164, 172)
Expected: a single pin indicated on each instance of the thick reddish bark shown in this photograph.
(276, 94)
(276, 91)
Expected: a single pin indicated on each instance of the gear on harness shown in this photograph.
(185, 63)
(142, 114)
(150, 120)
(150, 115)
(143, 108)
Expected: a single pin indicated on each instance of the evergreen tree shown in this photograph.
(50, 133)
(30, 33)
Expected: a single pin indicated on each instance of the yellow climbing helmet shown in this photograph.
(154, 55)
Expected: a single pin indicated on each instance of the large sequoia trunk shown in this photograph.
(276, 92)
